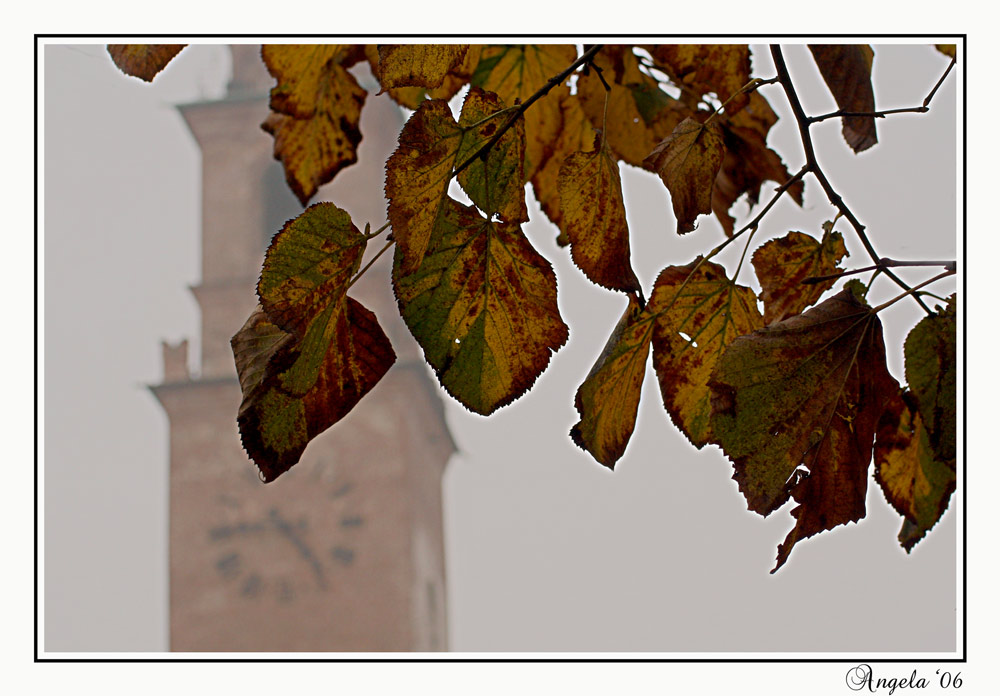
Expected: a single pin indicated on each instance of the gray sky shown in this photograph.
(547, 550)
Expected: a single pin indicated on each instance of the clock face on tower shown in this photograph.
(278, 543)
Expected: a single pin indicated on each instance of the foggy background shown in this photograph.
(546, 549)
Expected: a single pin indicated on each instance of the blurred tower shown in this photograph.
(344, 552)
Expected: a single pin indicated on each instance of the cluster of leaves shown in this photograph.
(798, 397)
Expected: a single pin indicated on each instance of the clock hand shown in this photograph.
(288, 531)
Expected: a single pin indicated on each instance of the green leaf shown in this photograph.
(482, 305)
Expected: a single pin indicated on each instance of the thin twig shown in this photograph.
(913, 290)
(542, 91)
(812, 164)
(882, 264)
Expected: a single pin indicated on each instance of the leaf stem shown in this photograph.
(389, 242)
(587, 56)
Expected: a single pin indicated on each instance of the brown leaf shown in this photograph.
(795, 406)
(590, 192)
(608, 399)
(143, 60)
(698, 312)
(947, 49)
(847, 71)
(688, 161)
(704, 68)
(749, 162)
(782, 264)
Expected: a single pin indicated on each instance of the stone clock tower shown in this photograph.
(345, 552)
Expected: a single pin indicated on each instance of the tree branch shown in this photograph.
(881, 265)
(813, 166)
(587, 56)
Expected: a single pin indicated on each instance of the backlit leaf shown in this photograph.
(431, 146)
(706, 68)
(577, 134)
(417, 175)
(496, 186)
(482, 305)
(590, 192)
(688, 161)
(795, 406)
(418, 65)
(847, 71)
(608, 399)
(699, 311)
(639, 113)
(916, 481)
(411, 97)
(782, 264)
(316, 112)
(143, 60)
(930, 364)
(306, 367)
(515, 73)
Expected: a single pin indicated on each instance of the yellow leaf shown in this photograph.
(316, 112)
(783, 264)
(590, 192)
(418, 65)
(608, 400)
(411, 97)
(698, 312)
(515, 73)
(639, 113)
(688, 161)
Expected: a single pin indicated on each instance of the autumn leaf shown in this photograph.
(947, 49)
(453, 81)
(417, 65)
(847, 71)
(515, 73)
(144, 61)
(748, 162)
(482, 306)
(783, 264)
(916, 481)
(687, 162)
(608, 399)
(638, 113)
(309, 352)
(431, 146)
(706, 68)
(930, 366)
(590, 192)
(698, 312)
(496, 186)
(576, 135)
(316, 112)
(795, 407)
